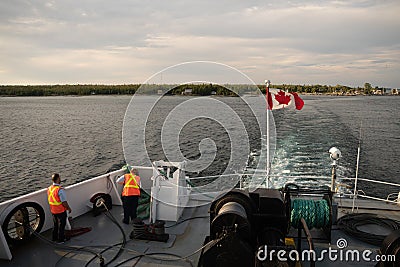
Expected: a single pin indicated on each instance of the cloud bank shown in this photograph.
(117, 42)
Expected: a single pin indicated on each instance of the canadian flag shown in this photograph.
(277, 99)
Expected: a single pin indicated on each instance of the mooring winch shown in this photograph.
(242, 223)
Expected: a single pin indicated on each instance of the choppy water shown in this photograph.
(306, 136)
(80, 137)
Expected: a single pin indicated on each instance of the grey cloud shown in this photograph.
(128, 41)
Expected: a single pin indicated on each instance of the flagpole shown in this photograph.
(267, 82)
(355, 193)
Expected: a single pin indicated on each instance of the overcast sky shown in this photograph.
(120, 42)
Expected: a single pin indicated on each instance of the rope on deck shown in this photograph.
(350, 224)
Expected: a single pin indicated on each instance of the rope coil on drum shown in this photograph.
(316, 213)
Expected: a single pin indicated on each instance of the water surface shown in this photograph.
(80, 137)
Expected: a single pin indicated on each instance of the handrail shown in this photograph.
(257, 174)
(212, 176)
(374, 198)
(372, 181)
(353, 194)
(293, 176)
(393, 194)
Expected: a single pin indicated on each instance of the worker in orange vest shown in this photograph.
(58, 206)
(130, 194)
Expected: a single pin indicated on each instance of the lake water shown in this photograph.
(80, 137)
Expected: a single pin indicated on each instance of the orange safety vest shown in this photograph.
(131, 185)
(55, 203)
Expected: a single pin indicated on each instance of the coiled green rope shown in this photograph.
(316, 213)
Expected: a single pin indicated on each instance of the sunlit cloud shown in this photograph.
(326, 42)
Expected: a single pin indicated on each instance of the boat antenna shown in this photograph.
(357, 167)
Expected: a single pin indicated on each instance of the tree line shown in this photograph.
(192, 89)
(57, 90)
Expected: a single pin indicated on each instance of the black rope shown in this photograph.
(54, 244)
(187, 219)
(104, 250)
(121, 248)
(350, 224)
(112, 218)
(156, 253)
(77, 249)
(86, 248)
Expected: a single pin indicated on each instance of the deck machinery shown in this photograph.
(243, 223)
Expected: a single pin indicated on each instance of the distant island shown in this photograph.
(186, 89)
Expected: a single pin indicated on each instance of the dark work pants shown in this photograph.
(59, 220)
(130, 204)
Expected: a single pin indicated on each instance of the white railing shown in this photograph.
(372, 181)
(356, 193)
(391, 198)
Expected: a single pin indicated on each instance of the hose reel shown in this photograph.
(21, 221)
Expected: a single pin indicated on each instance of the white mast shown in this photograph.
(355, 193)
(268, 83)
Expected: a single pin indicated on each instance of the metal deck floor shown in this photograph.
(185, 238)
(390, 211)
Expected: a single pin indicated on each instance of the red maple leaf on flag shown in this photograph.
(282, 98)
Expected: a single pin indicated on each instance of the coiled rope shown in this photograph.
(350, 224)
(316, 213)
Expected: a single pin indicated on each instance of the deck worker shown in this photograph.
(58, 207)
(130, 194)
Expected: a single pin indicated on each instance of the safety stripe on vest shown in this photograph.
(55, 202)
(128, 184)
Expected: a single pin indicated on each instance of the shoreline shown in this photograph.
(231, 90)
(192, 95)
